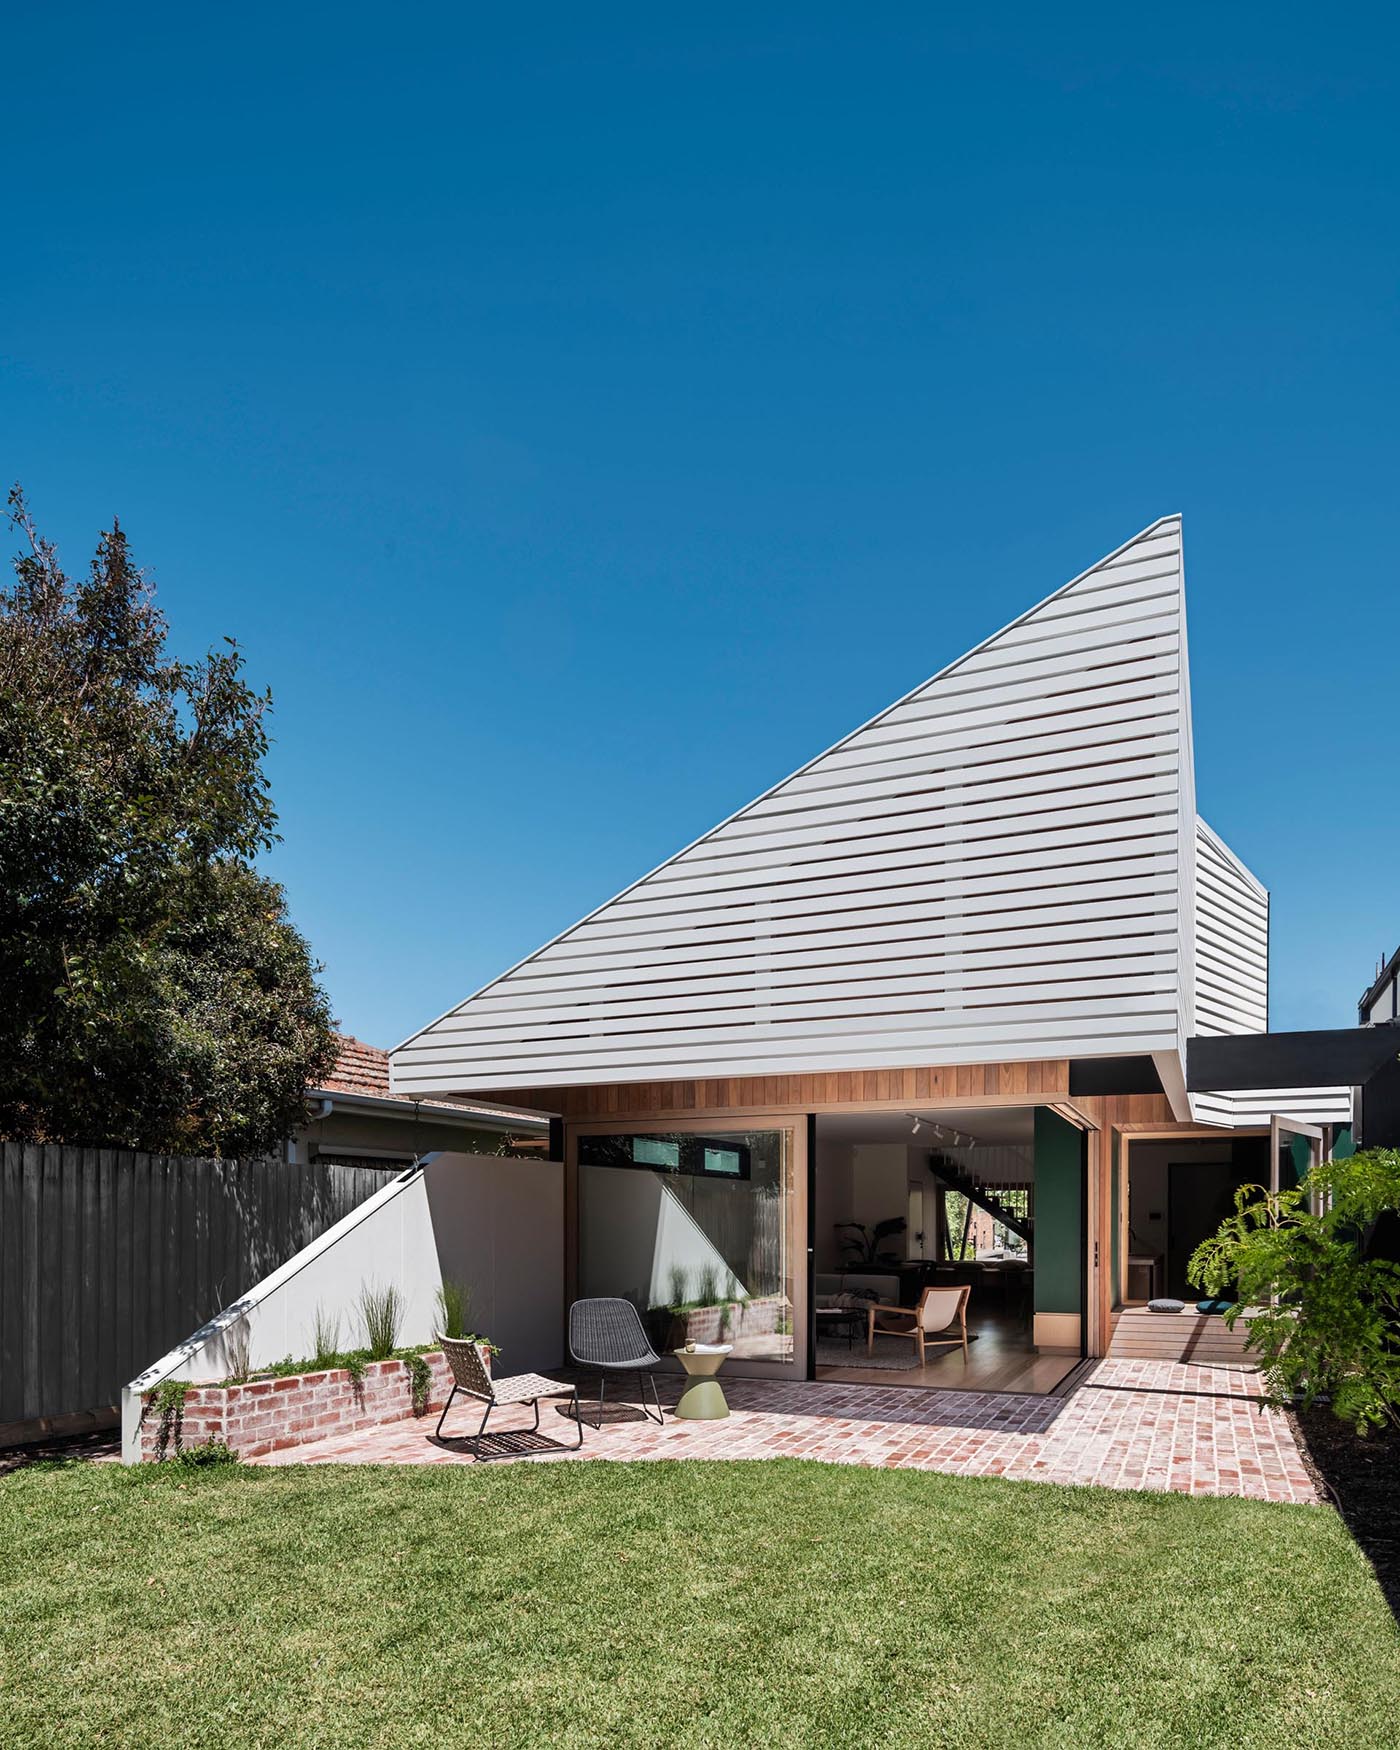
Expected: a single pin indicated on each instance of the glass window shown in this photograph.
(693, 1229)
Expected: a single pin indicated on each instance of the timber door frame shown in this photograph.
(1123, 1137)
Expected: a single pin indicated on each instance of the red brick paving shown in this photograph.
(1131, 1425)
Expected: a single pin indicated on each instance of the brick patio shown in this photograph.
(1130, 1425)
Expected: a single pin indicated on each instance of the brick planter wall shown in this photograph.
(266, 1415)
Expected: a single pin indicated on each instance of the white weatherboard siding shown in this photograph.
(1232, 941)
(1232, 988)
(997, 867)
(1252, 1108)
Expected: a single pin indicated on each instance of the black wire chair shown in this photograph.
(606, 1336)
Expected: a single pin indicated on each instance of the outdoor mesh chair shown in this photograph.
(471, 1379)
(606, 1336)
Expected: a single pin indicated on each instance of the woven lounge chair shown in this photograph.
(930, 1324)
(471, 1379)
(606, 1336)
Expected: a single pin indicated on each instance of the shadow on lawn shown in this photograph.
(1362, 1477)
(102, 1447)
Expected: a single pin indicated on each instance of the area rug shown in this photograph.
(836, 1354)
(891, 1355)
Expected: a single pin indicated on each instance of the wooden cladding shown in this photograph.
(1038, 1083)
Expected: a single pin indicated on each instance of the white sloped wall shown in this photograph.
(997, 867)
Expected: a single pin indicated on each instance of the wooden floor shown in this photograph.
(1002, 1359)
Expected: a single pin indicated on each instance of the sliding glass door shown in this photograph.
(695, 1227)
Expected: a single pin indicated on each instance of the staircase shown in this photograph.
(957, 1179)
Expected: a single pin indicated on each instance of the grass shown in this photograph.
(782, 1603)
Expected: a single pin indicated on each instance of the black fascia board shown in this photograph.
(1113, 1075)
(1334, 1057)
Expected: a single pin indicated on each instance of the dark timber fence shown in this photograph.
(108, 1258)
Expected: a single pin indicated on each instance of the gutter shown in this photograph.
(425, 1111)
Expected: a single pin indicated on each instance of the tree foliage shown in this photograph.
(155, 994)
(1322, 1301)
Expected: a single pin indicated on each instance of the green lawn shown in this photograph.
(676, 1604)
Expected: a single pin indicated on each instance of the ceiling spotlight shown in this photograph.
(916, 1126)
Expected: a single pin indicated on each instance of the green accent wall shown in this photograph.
(1059, 1213)
(1343, 1143)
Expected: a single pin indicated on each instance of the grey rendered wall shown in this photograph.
(499, 1228)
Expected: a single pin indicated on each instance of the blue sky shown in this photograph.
(583, 416)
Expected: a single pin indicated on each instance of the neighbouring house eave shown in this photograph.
(429, 1111)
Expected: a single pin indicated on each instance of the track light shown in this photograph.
(916, 1126)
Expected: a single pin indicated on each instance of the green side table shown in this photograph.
(703, 1397)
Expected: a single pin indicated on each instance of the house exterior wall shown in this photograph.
(1232, 941)
(786, 1101)
(999, 866)
(1232, 988)
(349, 1133)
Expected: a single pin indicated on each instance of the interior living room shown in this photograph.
(924, 1251)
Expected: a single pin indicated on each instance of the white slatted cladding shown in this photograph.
(1232, 988)
(988, 870)
(1232, 941)
(1253, 1108)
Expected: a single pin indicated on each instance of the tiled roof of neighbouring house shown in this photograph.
(363, 1070)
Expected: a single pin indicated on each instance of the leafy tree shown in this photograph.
(1323, 1299)
(155, 994)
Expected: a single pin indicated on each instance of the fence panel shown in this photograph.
(108, 1257)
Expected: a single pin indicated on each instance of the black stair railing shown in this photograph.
(957, 1180)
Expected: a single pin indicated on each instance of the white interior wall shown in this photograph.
(864, 1182)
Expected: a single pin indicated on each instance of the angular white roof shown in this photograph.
(997, 867)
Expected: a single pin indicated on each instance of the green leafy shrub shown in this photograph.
(208, 1452)
(381, 1311)
(168, 1401)
(454, 1301)
(1323, 1311)
(420, 1383)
